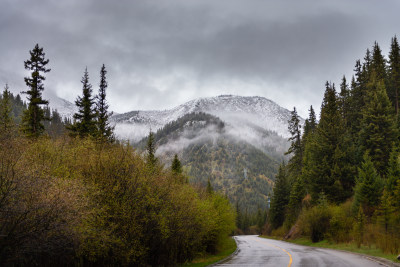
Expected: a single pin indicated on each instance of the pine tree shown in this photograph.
(378, 128)
(280, 198)
(296, 149)
(6, 120)
(85, 120)
(344, 99)
(32, 119)
(393, 172)
(309, 126)
(385, 211)
(151, 150)
(176, 166)
(319, 156)
(368, 189)
(378, 63)
(297, 194)
(394, 74)
(105, 130)
(368, 61)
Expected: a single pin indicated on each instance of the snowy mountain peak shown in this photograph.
(237, 111)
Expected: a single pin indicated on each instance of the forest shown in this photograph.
(71, 194)
(342, 182)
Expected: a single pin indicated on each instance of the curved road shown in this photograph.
(257, 251)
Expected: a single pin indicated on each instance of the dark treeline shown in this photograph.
(81, 199)
(343, 179)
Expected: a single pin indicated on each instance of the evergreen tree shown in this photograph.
(85, 120)
(296, 149)
(378, 131)
(176, 166)
(280, 198)
(358, 93)
(368, 61)
(320, 151)
(356, 102)
(309, 127)
(105, 130)
(151, 150)
(34, 115)
(368, 187)
(6, 120)
(344, 98)
(393, 172)
(385, 211)
(394, 74)
(378, 63)
(297, 194)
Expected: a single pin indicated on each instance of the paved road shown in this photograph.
(256, 251)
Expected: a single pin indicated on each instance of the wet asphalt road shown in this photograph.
(256, 251)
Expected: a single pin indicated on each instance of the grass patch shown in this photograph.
(227, 248)
(352, 247)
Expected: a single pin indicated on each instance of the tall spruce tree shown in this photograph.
(85, 119)
(345, 102)
(105, 130)
(325, 150)
(378, 128)
(151, 159)
(310, 125)
(357, 96)
(6, 120)
(32, 118)
(280, 198)
(295, 149)
(297, 194)
(368, 187)
(378, 64)
(176, 166)
(394, 74)
(393, 172)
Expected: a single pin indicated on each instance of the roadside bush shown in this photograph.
(315, 221)
(340, 223)
(37, 211)
(80, 202)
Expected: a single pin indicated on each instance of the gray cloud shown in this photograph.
(162, 53)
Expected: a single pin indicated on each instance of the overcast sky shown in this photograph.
(162, 53)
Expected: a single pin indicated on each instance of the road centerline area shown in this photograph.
(257, 251)
(271, 245)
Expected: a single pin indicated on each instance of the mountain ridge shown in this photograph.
(234, 110)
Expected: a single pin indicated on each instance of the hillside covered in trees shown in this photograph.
(235, 168)
(342, 182)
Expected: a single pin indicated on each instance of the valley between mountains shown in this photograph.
(235, 142)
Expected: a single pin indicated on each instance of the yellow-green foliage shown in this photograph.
(81, 202)
(332, 222)
(339, 224)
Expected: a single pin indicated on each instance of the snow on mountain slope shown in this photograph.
(238, 111)
(65, 108)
